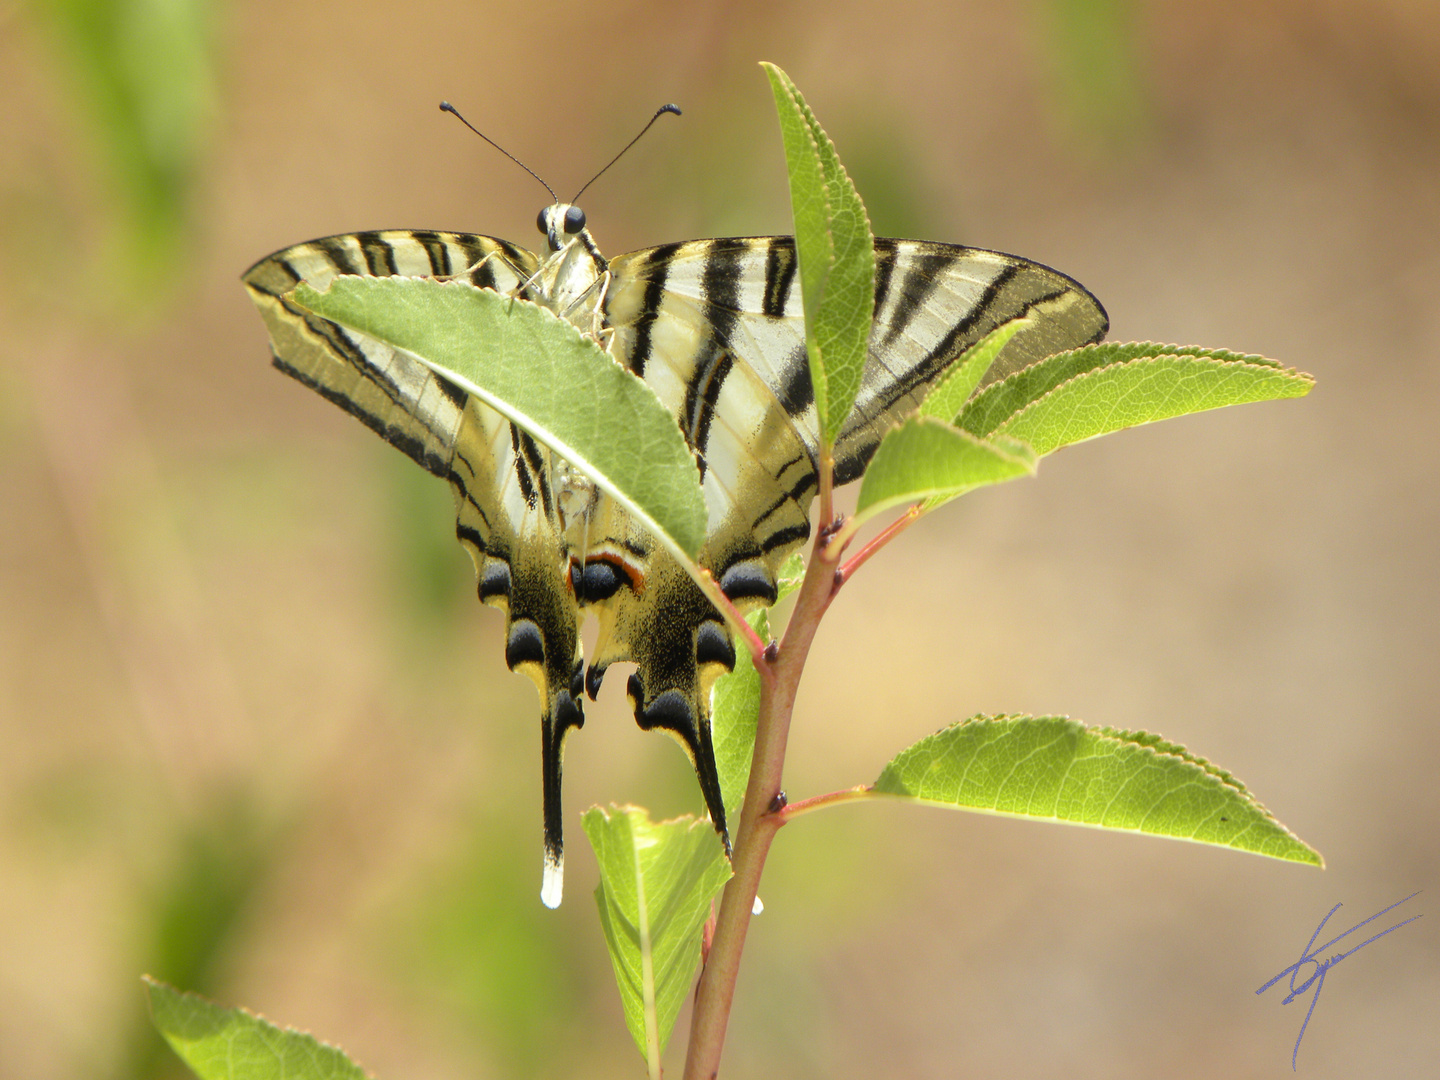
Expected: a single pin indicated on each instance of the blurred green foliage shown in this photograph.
(882, 163)
(190, 920)
(475, 944)
(1098, 95)
(140, 75)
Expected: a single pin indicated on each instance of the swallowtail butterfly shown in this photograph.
(715, 328)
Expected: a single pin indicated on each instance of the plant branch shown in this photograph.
(780, 680)
(880, 540)
(737, 621)
(826, 470)
(820, 802)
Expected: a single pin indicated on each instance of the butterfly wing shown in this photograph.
(717, 330)
(508, 514)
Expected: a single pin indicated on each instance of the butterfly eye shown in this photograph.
(574, 219)
(543, 221)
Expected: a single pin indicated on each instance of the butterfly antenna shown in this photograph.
(445, 106)
(658, 113)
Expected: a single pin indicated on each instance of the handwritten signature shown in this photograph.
(1309, 956)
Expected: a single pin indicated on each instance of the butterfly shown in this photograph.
(715, 328)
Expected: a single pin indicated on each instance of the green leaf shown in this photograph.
(735, 702)
(735, 708)
(792, 573)
(924, 458)
(948, 397)
(1101, 388)
(656, 885)
(836, 251)
(232, 1044)
(1055, 768)
(545, 376)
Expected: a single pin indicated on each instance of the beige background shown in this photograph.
(227, 611)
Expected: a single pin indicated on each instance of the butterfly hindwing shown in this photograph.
(507, 514)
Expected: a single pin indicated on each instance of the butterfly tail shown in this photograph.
(542, 642)
(564, 715)
(685, 717)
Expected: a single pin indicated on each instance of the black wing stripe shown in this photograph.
(454, 394)
(379, 254)
(786, 500)
(657, 269)
(482, 272)
(796, 534)
(797, 393)
(522, 472)
(437, 250)
(408, 444)
(720, 282)
(884, 270)
(779, 276)
(984, 315)
(338, 254)
(919, 278)
(536, 466)
(467, 535)
(705, 389)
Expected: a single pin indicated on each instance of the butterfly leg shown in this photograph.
(474, 267)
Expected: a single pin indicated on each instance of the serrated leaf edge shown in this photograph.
(153, 983)
(1158, 745)
(1287, 374)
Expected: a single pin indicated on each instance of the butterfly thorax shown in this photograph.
(571, 277)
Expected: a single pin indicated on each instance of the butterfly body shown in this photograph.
(716, 330)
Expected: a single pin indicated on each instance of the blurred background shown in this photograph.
(257, 738)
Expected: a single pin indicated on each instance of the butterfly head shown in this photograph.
(561, 223)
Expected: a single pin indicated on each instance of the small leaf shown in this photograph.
(547, 378)
(792, 573)
(735, 701)
(735, 708)
(232, 1044)
(948, 397)
(656, 885)
(836, 251)
(925, 458)
(1178, 379)
(1055, 768)
(1141, 392)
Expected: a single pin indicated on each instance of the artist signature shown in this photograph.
(1309, 956)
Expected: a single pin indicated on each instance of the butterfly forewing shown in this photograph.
(932, 302)
(391, 393)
